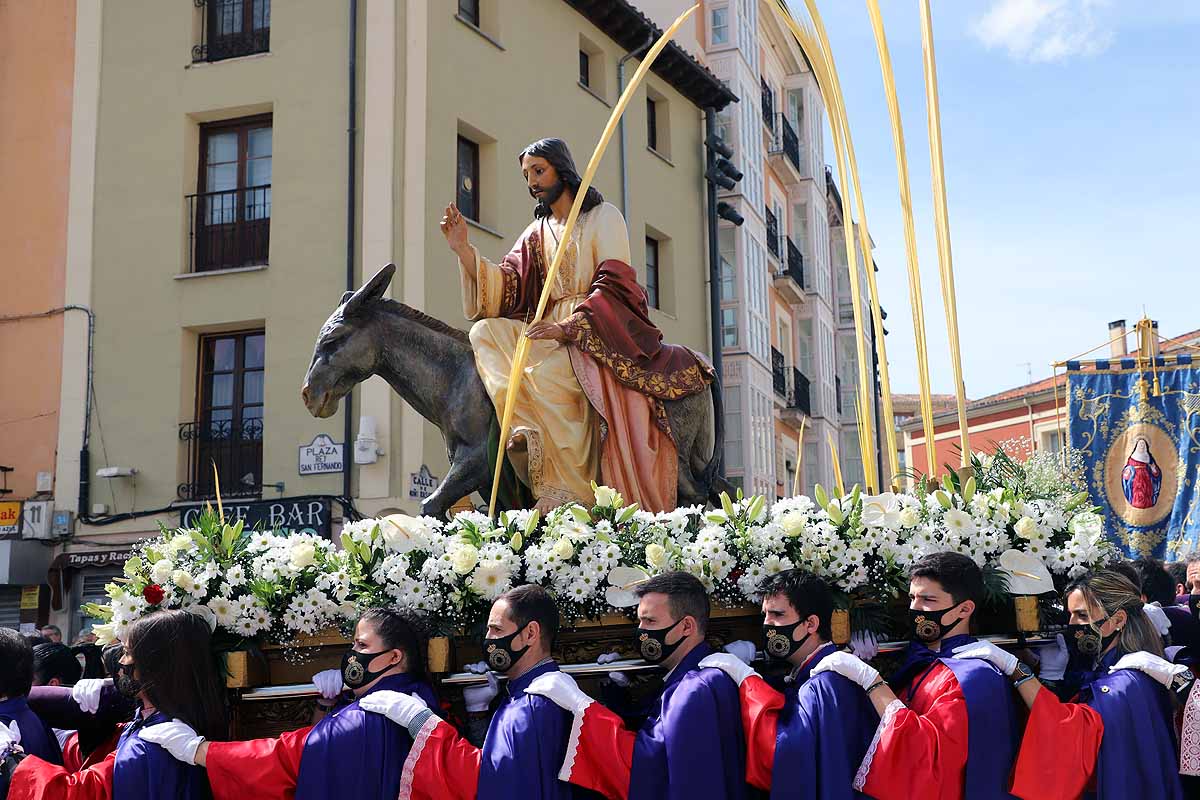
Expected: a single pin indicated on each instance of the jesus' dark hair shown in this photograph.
(559, 155)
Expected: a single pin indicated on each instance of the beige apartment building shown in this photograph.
(211, 195)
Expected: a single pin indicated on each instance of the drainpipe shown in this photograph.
(351, 224)
(1032, 439)
(621, 124)
(714, 255)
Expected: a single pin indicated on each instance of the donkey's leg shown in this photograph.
(467, 474)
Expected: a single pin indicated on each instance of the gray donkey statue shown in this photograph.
(431, 365)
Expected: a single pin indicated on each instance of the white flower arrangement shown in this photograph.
(259, 584)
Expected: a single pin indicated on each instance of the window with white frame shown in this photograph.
(759, 330)
(733, 427)
(1051, 441)
(810, 467)
(718, 26)
(727, 246)
(748, 32)
(762, 420)
(804, 346)
(851, 457)
(729, 327)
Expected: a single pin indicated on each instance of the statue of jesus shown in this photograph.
(590, 406)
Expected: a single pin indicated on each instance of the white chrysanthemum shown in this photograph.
(490, 580)
(225, 611)
(959, 522)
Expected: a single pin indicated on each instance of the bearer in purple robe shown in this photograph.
(528, 734)
(691, 744)
(16, 678)
(806, 743)
(348, 754)
(168, 667)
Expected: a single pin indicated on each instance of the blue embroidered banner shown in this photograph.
(1138, 432)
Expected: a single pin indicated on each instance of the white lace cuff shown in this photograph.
(889, 713)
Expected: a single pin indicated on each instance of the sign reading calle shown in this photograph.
(321, 456)
(287, 516)
(421, 484)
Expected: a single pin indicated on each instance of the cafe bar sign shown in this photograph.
(300, 515)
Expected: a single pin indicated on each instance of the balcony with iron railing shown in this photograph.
(773, 246)
(768, 105)
(235, 448)
(779, 375)
(232, 28)
(228, 229)
(784, 151)
(789, 278)
(800, 400)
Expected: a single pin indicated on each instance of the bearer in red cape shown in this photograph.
(591, 401)
(805, 743)
(348, 754)
(528, 734)
(953, 730)
(691, 744)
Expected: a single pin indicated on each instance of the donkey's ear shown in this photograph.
(371, 291)
(345, 296)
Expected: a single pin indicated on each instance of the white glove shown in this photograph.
(984, 650)
(400, 708)
(1160, 669)
(478, 668)
(1158, 618)
(745, 651)
(1053, 659)
(176, 737)
(864, 644)
(478, 698)
(10, 739)
(731, 665)
(849, 666)
(86, 693)
(562, 690)
(618, 678)
(329, 683)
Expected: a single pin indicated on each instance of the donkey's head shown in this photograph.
(346, 352)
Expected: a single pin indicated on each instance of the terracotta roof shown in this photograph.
(1188, 341)
(1044, 385)
(630, 28)
(938, 399)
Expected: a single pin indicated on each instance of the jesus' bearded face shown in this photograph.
(542, 178)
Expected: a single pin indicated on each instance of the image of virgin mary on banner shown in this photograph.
(1137, 428)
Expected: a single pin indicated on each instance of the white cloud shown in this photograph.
(1044, 30)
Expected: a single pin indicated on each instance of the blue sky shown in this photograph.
(1071, 132)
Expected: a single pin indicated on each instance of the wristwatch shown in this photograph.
(1021, 673)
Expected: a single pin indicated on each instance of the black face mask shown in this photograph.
(780, 643)
(127, 685)
(653, 644)
(355, 667)
(499, 653)
(1085, 642)
(927, 626)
